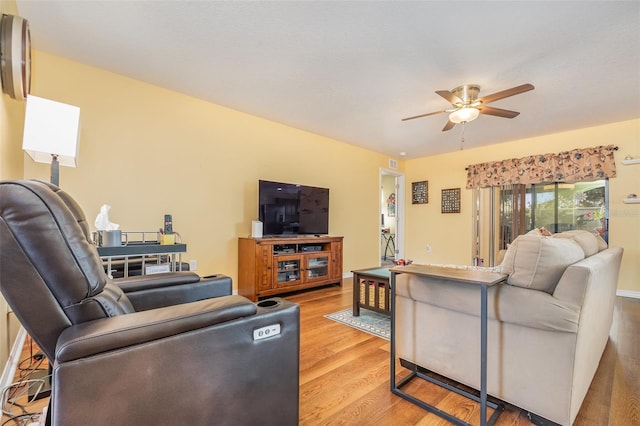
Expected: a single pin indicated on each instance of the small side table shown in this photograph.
(388, 240)
(371, 290)
(143, 250)
(482, 279)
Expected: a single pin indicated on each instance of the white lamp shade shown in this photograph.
(464, 115)
(51, 128)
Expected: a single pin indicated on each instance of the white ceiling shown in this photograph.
(350, 70)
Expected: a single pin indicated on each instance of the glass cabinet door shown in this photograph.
(288, 270)
(317, 267)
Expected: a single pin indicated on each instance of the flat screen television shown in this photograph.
(287, 209)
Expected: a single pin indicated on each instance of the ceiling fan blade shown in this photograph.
(453, 99)
(498, 112)
(506, 93)
(423, 115)
(448, 126)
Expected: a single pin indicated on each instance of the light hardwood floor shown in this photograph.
(344, 374)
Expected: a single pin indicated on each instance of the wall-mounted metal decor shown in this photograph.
(451, 200)
(420, 192)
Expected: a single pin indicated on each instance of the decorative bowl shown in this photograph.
(402, 262)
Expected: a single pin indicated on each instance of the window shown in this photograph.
(557, 207)
(517, 209)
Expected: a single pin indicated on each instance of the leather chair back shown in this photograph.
(50, 272)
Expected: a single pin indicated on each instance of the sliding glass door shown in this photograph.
(503, 213)
(562, 207)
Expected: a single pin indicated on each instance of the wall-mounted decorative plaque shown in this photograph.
(420, 192)
(451, 200)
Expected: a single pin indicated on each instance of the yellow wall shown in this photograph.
(11, 124)
(147, 151)
(450, 234)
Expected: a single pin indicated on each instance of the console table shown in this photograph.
(388, 241)
(482, 279)
(142, 250)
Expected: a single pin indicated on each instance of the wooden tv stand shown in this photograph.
(272, 266)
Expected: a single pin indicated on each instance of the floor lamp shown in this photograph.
(51, 134)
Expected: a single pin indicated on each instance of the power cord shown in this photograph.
(25, 386)
(23, 419)
(20, 391)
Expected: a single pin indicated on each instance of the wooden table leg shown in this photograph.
(356, 295)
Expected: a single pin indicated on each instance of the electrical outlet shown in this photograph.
(193, 265)
(428, 248)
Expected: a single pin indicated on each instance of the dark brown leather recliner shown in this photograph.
(223, 361)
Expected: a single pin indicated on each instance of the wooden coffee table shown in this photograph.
(371, 290)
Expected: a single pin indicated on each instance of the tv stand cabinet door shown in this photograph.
(264, 267)
(254, 267)
(336, 261)
(317, 267)
(287, 271)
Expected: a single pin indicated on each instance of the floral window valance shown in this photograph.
(577, 165)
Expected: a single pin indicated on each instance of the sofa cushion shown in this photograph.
(538, 262)
(506, 303)
(602, 244)
(585, 239)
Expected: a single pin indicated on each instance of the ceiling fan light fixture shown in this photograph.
(464, 115)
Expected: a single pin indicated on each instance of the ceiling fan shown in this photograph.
(467, 105)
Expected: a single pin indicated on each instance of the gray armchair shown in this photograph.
(187, 359)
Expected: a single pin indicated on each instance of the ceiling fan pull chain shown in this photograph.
(462, 138)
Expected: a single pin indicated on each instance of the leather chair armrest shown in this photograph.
(165, 279)
(224, 374)
(113, 333)
(172, 288)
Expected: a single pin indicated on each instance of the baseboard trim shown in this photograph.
(11, 366)
(628, 293)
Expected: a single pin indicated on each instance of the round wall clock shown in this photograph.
(15, 56)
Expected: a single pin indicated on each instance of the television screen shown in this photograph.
(291, 209)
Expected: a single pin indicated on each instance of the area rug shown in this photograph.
(368, 321)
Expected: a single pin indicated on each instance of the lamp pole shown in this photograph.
(55, 170)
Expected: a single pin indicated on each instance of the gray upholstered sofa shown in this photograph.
(548, 324)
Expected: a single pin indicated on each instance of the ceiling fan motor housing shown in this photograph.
(468, 93)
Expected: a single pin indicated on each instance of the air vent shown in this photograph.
(393, 164)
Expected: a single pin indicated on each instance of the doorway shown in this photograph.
(391, 229)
